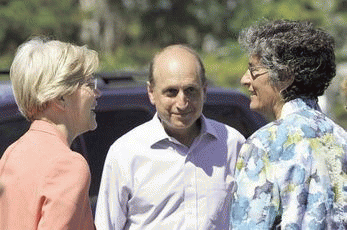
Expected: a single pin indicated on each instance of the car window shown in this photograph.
(233, 116)
(11, 130)
(111, 126)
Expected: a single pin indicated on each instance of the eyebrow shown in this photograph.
(178, 87)
(168, 88)
(90, 78)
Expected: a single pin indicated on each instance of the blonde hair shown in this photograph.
(43, 70)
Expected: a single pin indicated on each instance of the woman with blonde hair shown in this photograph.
(46, 183)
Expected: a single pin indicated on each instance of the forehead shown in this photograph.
(177, 67)
(178, 80)
(254, 60)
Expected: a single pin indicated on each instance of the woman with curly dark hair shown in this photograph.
(291, 173)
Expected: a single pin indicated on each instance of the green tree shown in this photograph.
(21, 19)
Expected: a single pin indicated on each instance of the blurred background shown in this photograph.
(127, 33)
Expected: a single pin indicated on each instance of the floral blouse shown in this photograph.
(292, 173)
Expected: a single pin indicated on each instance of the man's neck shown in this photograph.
(186, 136)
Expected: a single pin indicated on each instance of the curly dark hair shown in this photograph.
(292, 49)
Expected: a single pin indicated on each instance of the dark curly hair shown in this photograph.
(292, 49)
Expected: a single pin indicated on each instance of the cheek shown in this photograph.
(197, 98)
(164, 103)
(270, 96)
(84, 107)
(198, 104)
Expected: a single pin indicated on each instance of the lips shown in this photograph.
(252, 93)
(93, 107)
(182, 114)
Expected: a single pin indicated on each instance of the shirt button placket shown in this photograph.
(190, 195)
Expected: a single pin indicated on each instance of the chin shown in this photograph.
(177, 125)
(258, 109)
(183, 126)
(253, 107)
(93, 127)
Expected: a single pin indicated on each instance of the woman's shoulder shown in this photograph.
(281, 129)
(69, 166)
(296, 127)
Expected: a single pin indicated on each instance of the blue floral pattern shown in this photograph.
(292, 173)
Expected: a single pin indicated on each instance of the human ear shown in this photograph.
(205, 91)
(59, 103)
(150, 92)
(287, 80)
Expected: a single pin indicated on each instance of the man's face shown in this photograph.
(177, 91)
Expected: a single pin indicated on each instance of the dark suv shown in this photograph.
(123, 105)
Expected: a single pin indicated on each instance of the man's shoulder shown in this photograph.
(221, 128)
(139, 139)
(139, 130)
(218, 124)
(136, 134)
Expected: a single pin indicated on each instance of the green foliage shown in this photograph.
(226, 66)
(5, 61)
(21, 19)
(288, 9)
(128, 58)
(252, 11)
(143, 27)
(340, 114)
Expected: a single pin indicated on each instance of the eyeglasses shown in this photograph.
(254, 71)
(91, 83)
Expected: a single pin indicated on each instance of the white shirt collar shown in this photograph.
(158, 134)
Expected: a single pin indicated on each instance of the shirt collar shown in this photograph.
(299, 104)
(207, 127)
(159, 134)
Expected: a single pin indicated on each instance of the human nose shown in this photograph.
(182, 100)
(246, 78)
(97, 93)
